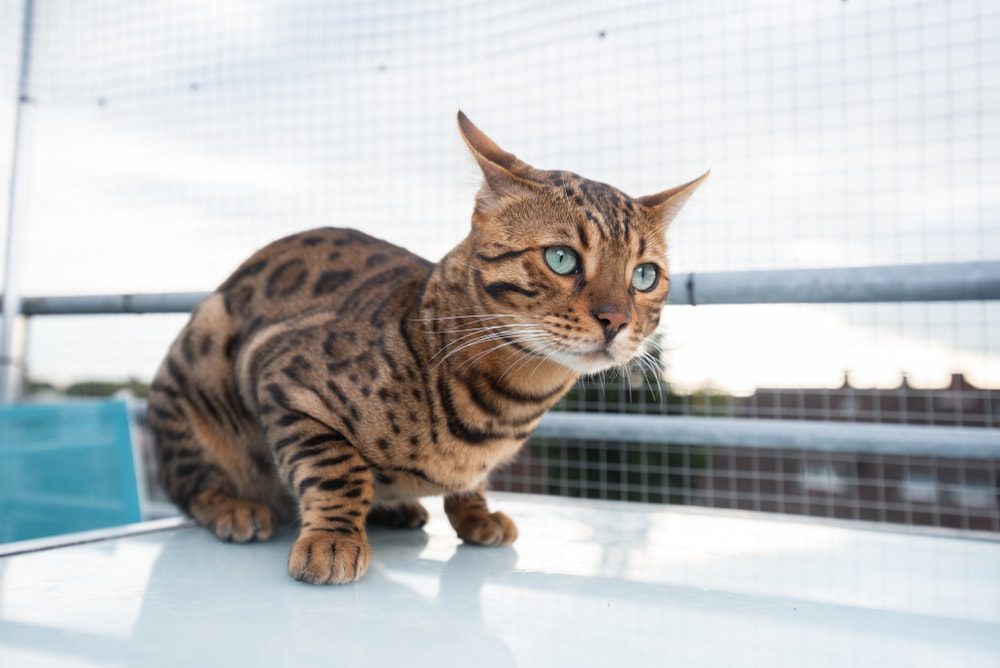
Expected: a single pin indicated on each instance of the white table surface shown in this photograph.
(588, 583)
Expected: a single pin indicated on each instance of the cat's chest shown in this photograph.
(442, 468)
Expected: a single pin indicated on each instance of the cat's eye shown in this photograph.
(644, 277)
(562, 259)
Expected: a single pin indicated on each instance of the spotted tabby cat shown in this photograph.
(338, 378)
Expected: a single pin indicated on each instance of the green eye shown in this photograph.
(644, 277)
(561, 259)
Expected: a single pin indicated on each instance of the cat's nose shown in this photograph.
(612, 319)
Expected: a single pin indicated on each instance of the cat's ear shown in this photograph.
(665, 205)
(505, 175)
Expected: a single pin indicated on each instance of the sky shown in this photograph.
(168, 141)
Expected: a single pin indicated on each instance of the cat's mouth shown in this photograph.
(583, 357)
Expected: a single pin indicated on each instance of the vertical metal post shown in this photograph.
(11, 344)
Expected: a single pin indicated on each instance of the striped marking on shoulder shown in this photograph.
(491, 408)
(518, 396)
(459, 429)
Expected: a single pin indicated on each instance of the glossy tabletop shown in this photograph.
(587, 584)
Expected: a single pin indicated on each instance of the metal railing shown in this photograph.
(969, 281)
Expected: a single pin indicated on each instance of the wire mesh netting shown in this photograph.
(10, 62)
(169, 140)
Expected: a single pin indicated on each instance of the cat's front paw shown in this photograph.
(487, 529)
(319, 558)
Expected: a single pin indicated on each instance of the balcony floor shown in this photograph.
(588, 583)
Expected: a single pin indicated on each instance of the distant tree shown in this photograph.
(33, 386)
(137, 388)
(92, 388)
(103, 388)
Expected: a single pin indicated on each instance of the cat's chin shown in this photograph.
(587, 363)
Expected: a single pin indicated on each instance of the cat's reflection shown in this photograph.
(468, 570)
(379, 620)
(460, 629)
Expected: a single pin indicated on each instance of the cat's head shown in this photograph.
(576, 270)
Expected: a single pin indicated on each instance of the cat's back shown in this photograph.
(324, 269)
(293, 294)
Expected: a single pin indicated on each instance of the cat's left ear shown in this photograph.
(665, 205)
(506, 176)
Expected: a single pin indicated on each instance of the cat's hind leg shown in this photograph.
(231, 518)
(201, 474)
(402, 515)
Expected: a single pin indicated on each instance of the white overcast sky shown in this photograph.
(170, 139)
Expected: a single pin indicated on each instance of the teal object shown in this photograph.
(65, 467)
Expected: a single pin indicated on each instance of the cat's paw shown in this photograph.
(487, 529)
(407, 515)
(242, 521)
(320, 558)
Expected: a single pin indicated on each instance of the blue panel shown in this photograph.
(65, 467)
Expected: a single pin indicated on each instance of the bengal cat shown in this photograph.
(337, 378)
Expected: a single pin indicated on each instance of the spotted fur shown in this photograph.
(335, 378)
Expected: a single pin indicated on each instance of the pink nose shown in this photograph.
(611, 319)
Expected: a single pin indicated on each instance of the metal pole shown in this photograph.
(886, 439)
(11, 357)
(157, 302)
(953, 281)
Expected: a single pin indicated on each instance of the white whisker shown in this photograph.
(484, 339)
(459, 317)
(527, 358)
(647, 362)
(500, 329)
(486, 327)
(511, 341)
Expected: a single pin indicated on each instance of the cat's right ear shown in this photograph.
(506, 176)
(665, 205)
